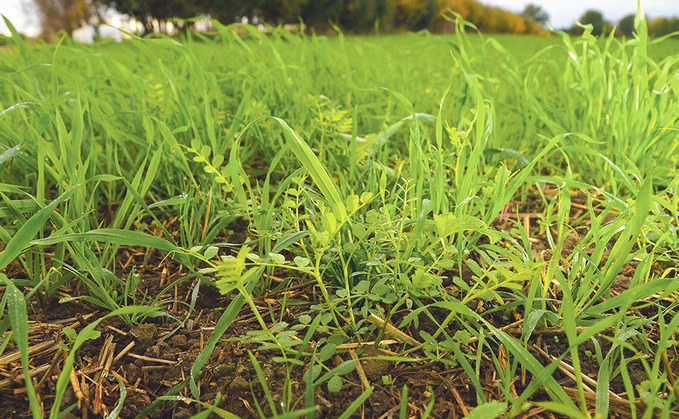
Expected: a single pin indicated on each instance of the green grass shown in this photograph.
(378, 167)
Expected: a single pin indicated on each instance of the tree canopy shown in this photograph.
(626, 24)
(663, 26)
(596, 19)
(536, 13)
(350, 15)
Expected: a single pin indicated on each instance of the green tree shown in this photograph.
(626, 24)
(663, 26)
(415, 15)
(536, 13)
(360, 15)
(146, 11)
(596, 19)
(320, 12)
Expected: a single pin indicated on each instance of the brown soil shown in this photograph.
(153, 355)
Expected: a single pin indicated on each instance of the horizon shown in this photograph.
(561, 15)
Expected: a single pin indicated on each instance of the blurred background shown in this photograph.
(86, 20)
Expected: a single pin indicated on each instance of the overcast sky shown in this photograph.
(562, 13)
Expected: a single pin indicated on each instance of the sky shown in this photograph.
(562, 13)
(16, 12)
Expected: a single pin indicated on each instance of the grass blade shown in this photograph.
(311, 163)
(22, 239)
(356, 403)
(18, 319)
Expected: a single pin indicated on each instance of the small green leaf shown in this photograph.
(358, 231)
(70, 333)
(447, 263)
(326, 318)
(462, 336)
(289, 203)
(312, 373)
(362, 287)
(301, 261)
(329, 222)
(371, 216)
(217, 160)
(277, 258)
(491, 410)
(94, 334)
(211, 252)
(447, 224)
(327, 352)
(422, 280)
(278, 327)
(352, 203)
(345, 368)
(335, 384)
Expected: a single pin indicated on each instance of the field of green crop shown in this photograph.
(284, 225)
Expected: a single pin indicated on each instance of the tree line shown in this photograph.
(656, 27)
(349, 15)
(358, 16)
